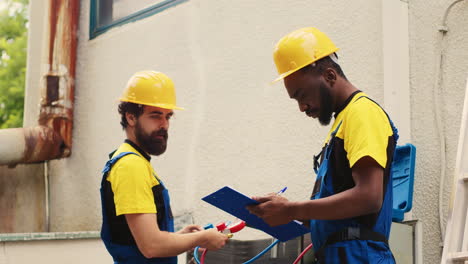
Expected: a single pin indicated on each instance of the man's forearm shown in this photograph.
(153, 242)
(347, 204)
(167, 244)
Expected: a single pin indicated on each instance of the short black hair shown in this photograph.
(131, 108)
(321, 65)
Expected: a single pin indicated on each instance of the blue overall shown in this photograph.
(347, 240)
(128, 253)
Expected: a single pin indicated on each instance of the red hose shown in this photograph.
(302, 254)
(202, 259)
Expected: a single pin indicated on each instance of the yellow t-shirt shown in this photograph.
(365, 130)
(132, 179)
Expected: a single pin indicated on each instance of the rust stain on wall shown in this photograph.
(22, 199)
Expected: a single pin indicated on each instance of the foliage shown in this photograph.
(13, 47)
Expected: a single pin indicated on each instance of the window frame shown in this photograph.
(95, 30)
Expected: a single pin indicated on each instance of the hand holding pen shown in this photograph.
(273, 208)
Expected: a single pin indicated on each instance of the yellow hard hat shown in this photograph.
(299, 49)
(151, 88)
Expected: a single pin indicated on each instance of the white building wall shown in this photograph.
(90, 251)
(70, 251)
(239, 130)
(424, 19)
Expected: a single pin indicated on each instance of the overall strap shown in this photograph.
(330, 141)
(327, 149)
(112, 161)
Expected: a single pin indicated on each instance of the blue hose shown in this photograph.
(195, 253)
(262, 253)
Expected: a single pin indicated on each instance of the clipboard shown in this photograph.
(234, 203)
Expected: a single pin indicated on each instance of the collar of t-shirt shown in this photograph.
(137, 148)
(343, 106)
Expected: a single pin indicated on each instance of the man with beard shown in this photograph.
(350, 210)
(137, 223)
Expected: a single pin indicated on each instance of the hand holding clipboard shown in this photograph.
(235, 203)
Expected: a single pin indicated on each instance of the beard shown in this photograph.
(149, 143)
(326, 104)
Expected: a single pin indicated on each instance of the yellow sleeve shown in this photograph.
(132, 184)
(366, 132)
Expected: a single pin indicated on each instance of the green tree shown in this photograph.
(13, 46)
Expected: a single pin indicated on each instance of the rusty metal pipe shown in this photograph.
(29, 145)
(52, 138)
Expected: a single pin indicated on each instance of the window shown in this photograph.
(106, 14)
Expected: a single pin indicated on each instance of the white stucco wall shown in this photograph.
(237, 129)
(424, 18)
(70, 251)
(90, 251)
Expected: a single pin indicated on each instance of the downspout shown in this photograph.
(52, 137)
(440, 52)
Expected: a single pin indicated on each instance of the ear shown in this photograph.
(330, 76)
(131, 119)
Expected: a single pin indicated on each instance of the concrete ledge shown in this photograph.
(49, 236)
(179, 222)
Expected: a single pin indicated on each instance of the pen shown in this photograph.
(282, 191)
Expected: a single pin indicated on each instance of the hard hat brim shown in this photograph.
(165, 106)
(284, 75)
